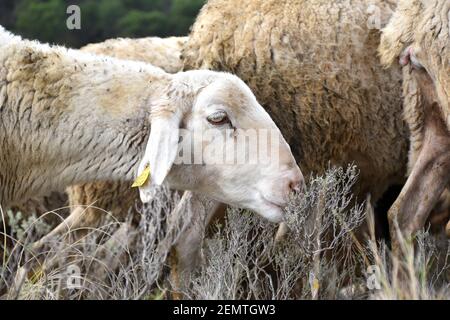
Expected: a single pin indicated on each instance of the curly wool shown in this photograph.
(314, 66)
(161, 52)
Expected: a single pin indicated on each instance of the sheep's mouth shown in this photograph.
(273, 204)
(281, 204)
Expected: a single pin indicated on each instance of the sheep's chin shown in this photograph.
(271, 212)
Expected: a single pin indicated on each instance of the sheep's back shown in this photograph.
(161, 52)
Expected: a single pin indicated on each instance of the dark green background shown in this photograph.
(45, 20)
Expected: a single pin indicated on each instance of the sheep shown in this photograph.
(90, 202)
(117, 197)
(314, 67)
(70, 117)
(418, 33)
(352, 81)
(160, 52)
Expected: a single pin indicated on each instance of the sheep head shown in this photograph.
(210, 135)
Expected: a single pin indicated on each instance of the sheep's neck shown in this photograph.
(78, 134)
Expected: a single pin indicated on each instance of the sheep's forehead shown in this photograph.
(238, 99)
(233, 100)
(232, 94)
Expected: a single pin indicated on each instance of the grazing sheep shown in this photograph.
(90, 202)
(69, 117)
(419, 33)
(314, 67)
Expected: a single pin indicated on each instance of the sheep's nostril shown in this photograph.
(296, 185)
(294, 181)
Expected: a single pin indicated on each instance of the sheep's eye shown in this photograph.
(218, 118)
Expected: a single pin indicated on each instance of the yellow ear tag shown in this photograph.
(142, 179)
(316, 284)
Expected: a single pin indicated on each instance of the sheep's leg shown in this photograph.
(78, 218)
(73, 220)
(22, 273)
(282, 232)
(185, 254)
(428, 179)
(447, 230)
(440, 214)
(189, 243)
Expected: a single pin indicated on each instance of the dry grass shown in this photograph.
(322, 257)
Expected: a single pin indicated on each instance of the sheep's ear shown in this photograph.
(160, 152)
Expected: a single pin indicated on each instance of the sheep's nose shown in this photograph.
(296, 183)
(295, 186)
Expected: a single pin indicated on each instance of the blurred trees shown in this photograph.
(100, 19)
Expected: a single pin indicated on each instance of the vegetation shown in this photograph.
(45, 20)
(322, 257)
